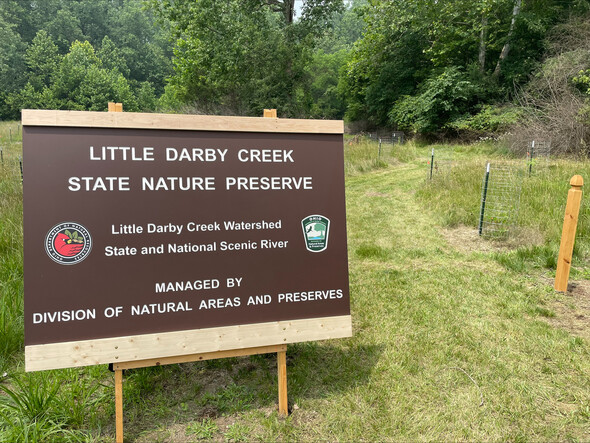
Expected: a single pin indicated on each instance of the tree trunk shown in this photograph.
(506, 48)
(289, 11)
(483, 35)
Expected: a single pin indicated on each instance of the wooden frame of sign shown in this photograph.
(186, 345)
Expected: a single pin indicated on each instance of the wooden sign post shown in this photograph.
(568, 235)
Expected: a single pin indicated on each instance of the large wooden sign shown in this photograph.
(149, 235)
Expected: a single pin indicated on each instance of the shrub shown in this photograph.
(442, 99)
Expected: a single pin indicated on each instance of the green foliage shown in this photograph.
(36, 58)
(395, 69)
(11, 63)
(239, 57)
(490, 119)
(65, 29)
(326, 99)
(441, 100)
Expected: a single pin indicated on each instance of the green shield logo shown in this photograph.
(316, 229)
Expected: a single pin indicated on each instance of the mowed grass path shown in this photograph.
(447, 345)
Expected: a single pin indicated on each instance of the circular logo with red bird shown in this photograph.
(68, 243)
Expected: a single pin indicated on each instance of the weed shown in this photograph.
(33, 395)
(30, 411)
(203, 430)
(237, 432)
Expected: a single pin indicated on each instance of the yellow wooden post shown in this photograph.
(281, 355)
(118, 107)
(115, 107)
(119, 405)
(282, 377)
(568, 235)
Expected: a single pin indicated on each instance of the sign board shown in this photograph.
(149, 235)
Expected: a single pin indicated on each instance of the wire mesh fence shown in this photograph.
(388, 137)
(538, 155)
(11, 164)
(500, 200)
(583, 231)
(439, 164)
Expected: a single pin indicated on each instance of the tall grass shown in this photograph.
(11, 246)
(362, 154)
(456, 199)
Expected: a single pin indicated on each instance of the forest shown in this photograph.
(459, 69)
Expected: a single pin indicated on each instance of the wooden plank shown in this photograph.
(270, 113)
(119, 406)
(170, 344)
(282, 379)
(568, 234)
(133, 120)
(199, 357)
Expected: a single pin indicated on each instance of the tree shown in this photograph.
(409, 44)
(42, 58)
(11, 65)
(241, 56)
(144, 47)
(65, 28)
(82, 84)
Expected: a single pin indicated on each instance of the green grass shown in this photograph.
(11, 252)
(450, 342)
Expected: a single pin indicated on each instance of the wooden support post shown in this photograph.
(115, 107)
(568, 234)
(282, 355)
(119, 405)
(118, 107)
(282, 377)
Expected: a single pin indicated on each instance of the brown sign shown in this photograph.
(138, 230)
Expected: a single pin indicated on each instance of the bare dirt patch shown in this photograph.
(572, 311)
(467, 239)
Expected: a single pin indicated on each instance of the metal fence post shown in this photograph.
(431, 163)
(532, 154)
(483, 198)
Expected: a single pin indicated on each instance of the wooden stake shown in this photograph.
(119, 405)
(281, 355)
(118, 107)
(568, 234)
(282, 376)
(115, 107)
